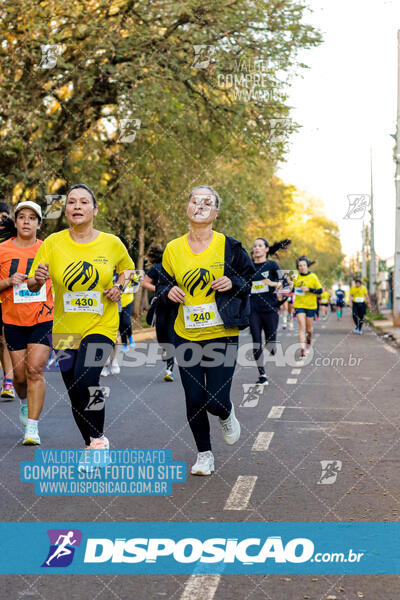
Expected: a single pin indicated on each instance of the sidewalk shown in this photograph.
(147, 333)
(386, 327)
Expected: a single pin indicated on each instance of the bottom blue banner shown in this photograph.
(155, 548)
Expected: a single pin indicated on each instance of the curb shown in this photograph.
(383, 328)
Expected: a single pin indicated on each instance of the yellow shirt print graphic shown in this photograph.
(198, 318)
(81, 272)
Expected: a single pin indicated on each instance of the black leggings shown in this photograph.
(359, 310)
(259, 321)
(125, 323)
(165, 334)
(87, 408)
(207, 388)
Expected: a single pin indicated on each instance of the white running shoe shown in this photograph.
(230, 428)
(115, 368)
(23, 413)
(204, 464)
(291, 325)
(97, 455)
(31, 437)
(105, 371)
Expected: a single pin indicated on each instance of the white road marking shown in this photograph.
(295, 372)
(276, 412)
(201, 587)
(291, 381)
(262, 441)
(241, 492)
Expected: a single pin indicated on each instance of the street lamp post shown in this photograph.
(396, 274)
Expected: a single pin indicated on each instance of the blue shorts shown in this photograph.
(310, 312)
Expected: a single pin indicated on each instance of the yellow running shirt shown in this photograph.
(127, 295)
(306, 299)
(80, 273)
(358, 293)
(325, 296)
(198, 318)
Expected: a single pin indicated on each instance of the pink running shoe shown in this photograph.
(100, 444)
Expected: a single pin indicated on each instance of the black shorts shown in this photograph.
(18, 336)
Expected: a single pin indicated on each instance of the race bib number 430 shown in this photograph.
(83, 302)
(202, 315)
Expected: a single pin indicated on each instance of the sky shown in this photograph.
(346, 104)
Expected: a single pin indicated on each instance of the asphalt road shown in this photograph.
(334, 409)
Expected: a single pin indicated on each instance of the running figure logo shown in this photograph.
(97, 394)
(62, 547)
(251, 394)
(330, 470)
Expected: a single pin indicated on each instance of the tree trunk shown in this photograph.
(138, 296)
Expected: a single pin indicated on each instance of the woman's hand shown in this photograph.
(176, 294)
(42, 274)
(222, 284)
(17, 278)
(304, 288)
(113, 294)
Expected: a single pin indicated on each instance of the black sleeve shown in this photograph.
(315, 290)
(163, 286)
(241, 270)
(154, 273)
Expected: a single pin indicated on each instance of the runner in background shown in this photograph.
(264, 300)
(340, 295)
(125, 306)
(125, 315)
(208, 276)
(324, 301)
(291, 315)
(306, 288)
(7, 230)
(162, 310)
(316, 315)
(27, 317)
(284, 313)
(81, 261)
(332, 301)
(359, 300)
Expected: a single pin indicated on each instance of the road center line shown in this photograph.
(262, 441)
(201, 587)
(241, 492)
(276, 412)
(291, 381)
(295, 372)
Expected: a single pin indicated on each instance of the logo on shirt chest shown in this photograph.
(80, 274)
(198, 279)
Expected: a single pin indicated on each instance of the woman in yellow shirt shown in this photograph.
(208, 275)
(359, 300)
(306, 289)
(324, 301)
(81, 261)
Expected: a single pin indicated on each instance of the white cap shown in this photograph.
(29, 204)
